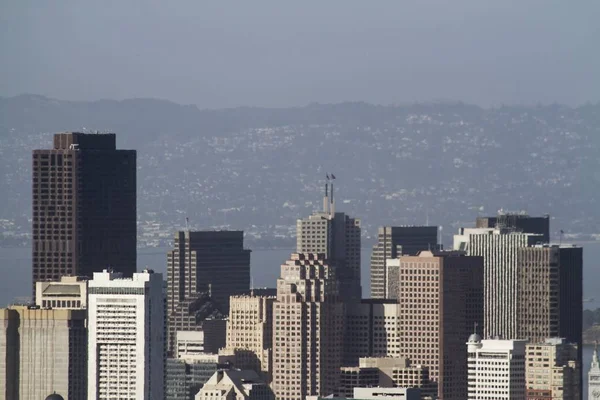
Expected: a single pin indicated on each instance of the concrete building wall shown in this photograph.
(250, 332)
(9, 354)
(43, 351)
(552, 370)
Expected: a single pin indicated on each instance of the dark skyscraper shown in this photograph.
(84, 207)
(393, 242)
(520, 222)
(203, 271)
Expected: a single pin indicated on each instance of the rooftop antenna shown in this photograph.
(560, 237)
(187, 224)
(326, 198)
(332, 208)
(475, 324)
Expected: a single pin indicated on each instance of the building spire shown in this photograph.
(326, 198)
(595, 363)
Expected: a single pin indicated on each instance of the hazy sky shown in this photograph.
(282, 53)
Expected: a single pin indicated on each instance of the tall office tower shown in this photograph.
(499, 249)
(307, 329)
(42, 351)
(552, 370)
(519, 222)
(186, 374)
(371, 328)
(441, 297)
(496, 369)
(250, 330)
(594, 377)
(203, 270)
(126, 336)
(394, 241)
(337, 236)
(84, 207)
(550, 293)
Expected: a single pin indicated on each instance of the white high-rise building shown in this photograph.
(126, 336)
(496, 368)
(499, 249)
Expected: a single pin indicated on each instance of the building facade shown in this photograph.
(394, 241)
(377, 393)
(250, 330)
(70, 292)
(496, 368)
(518, 221)
(371, 330)
(235, 385)
(552, 370)
(126, 355)
(84, 207)
(594, 377)
(550, 293)
(337, 236)
(186, 374)
(307, 329)
(204, 269)
(499, 249)
(441, 297)
(42, 351)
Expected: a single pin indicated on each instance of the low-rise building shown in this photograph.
(552, 370)
(235, 385)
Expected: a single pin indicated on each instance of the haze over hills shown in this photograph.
(259, 169)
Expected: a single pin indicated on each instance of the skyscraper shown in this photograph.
(496, 369)
(337, 236)
(394, 241)
(126, 336)
(499, 249)
(550, 293)
(519, 222)
(42, 351)
(203, 270)
(307, 329)
(84, 207)
(441, 297)
(250, 330)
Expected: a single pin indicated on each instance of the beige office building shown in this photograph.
(441, 298)
(42, 351)
(372, 327)
(337, 236)
(552, 370)
(250, 330)
(307, 329)
(386, 372)
(70, 292)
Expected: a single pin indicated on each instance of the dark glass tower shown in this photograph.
(203, 270)
(84, 207)
(393, 242)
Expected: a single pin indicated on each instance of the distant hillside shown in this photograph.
(258, 169)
